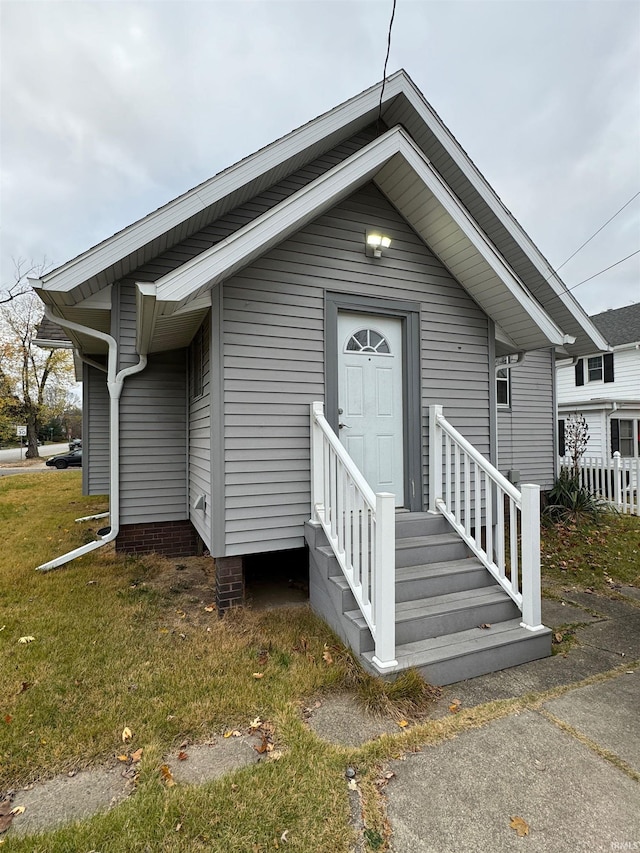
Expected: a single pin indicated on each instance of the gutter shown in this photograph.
(115, 383)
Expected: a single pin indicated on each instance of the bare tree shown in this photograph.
(22, 270)
(28, 369)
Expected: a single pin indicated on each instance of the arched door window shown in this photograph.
(368, 340)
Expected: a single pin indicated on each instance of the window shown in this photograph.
(625, 436)
(562, 447)
(368, 340)
(598, 368)
(503, 383)
(594, 368)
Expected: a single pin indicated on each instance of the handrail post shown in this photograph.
(435, 457)
(317, 461)
(530, 520)
(385, 582)
(617, 480)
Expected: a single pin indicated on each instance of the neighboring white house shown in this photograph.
(605, 387)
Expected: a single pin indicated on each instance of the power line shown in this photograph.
(386, 60)
(626, 204)
(606, 269)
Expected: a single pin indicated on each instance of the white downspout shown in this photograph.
(115, 383)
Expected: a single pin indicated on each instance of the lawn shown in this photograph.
(130, 642)
(133, 642)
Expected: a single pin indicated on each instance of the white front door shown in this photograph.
(370, 398)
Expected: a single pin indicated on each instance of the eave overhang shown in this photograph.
(479, 268)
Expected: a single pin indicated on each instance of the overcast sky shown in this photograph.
(110, 109)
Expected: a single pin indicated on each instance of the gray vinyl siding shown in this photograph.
(526, 431)
(95, 432)
(273, 326)
(155, 426)
(200, 445)
(153, 442)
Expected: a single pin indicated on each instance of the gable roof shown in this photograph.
(403, 106)
(620, 325)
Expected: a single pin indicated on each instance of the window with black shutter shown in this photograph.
(561, 445)
(615, 436)
(608, 367)
(580, 371)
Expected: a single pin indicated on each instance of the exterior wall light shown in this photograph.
(376, 242)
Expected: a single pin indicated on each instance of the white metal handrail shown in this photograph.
(615, 480)
(500, 524)
(360, 527)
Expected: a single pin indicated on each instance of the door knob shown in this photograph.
(343, 426)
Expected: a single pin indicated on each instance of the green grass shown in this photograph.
(599, 555)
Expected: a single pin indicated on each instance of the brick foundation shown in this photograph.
(229, 583)
(170, 538)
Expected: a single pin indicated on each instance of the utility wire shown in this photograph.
(384, 70)
(606, 269)
(626, 204)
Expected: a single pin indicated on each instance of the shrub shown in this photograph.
(569, 500)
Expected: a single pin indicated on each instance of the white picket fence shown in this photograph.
(615, 480)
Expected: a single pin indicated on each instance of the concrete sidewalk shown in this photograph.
(569, 767)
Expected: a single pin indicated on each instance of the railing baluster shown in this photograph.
(500, 534)
(447, 462)
(488, 515)
(340, 519)
(513, 549)
(467, 495)
(477, 494)
(456, 483)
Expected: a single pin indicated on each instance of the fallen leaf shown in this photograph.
(485, 625)
(403, 724)
(275, 755)
(182, 755)
(24, 687)
(258, 674)
(6, 815)
(167, 776)
(137, 755)
(264, 746)
(558, 637)
(18, 810)
(352, 785)
(255, 724)
(228, 733)
(181, 613)
(210, 608)
(8, 719)
(123, 758)
(455, 706)
(521, 826)
(326, 655)
(178, 827)
(127, 734)
(283, 837)
(27, 639)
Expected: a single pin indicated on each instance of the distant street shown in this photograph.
(16, 455)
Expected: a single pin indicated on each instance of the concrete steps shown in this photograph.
(443, 596)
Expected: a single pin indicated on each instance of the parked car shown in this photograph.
(75, 444)
(66, 460)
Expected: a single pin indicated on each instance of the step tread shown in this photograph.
(427, 539)
(429, 570)
(449, 646)
(441, 604)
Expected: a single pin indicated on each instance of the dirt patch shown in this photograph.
(188, 582)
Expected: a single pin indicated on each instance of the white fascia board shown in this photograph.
(246, 244)
(462, 160)
(450, 202)
(155, 224)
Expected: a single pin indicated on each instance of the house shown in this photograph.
(605, 387)
(302, 350)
